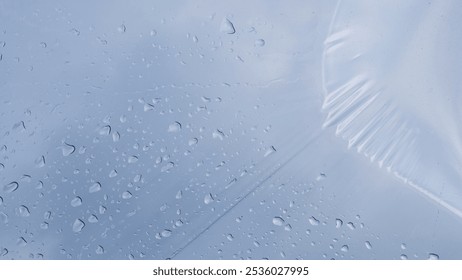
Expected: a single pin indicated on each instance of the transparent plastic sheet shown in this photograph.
(155, 130)
(392, 81)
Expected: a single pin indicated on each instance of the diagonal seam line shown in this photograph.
(257, 186)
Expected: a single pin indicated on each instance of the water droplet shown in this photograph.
(21, 242)
(259, 42)
(76, 201)
(166, 233)
(3, 217)
(368, 245)
(403, 257)
(44, 225)
(193, 141)
(270, 151)
(227, 26)
(278, 221)
(433, 256)
(67, 149)
(113, 173)
(1, 200)
(102, 209)
(208, 198)
(122, 28)
(40, 162)
(230, 237)
(403, 246)
(153, 32)
(195, 39)
(78, 225)
(105, 130)
(338, 223)
(11, 187)
(23, 211)
(4, 252)
(288, 227)
(218, 134)
(345, 248)
(132, 159)
(174, 127)
(179, 194)
(351, 225)
(115, 136)
(99, 250)
(126, 195)
(167, 167)
(96, 187)
(313, 221)
(92, 219)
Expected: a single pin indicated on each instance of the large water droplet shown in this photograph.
(11, 187)
(132, 159)
(208, 198)
(93, 219)
(96, 187)
(78, 225)
(99, 250)
(105, 130)
(126, 195)
(67, 149)
(76, 201)
(227, 26)
(313, 221)
(174, 127)
(40, 162)
(166, 233)
(278, 221)
(23, 211)
(113, 173)
(433, 256)
(338, 223)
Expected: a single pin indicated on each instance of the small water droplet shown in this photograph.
(195, 39)
(208, 198)
(153, 32)
(433, 256)
(40, 162)
(3, 218)
(122, 28)
(313, 221)
(76, 201)
(368, 245)
(271, 150)
(126, 195)
(351, 225)
(4, 252)
(67, 149)
(403, 257)
(166, 233)
(102, 209)
(174, 127)
(44, 225)
(96, 187)
(115, 136)
(1, 200)
(92, 219)
(288, 227)
(11, 187)
(338, 223)
(345, 248)
(21, 242)
(113, 173)
(218, 134)
(230, 237)
(167, 167)
(259, 42)
(193, 141)
(179, 194)
(78, 225)
(99, 250)
(403, 246)
(132, 159)
(23, 211)
(227, 26)
(278, 221)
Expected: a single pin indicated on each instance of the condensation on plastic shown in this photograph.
(201, 130)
